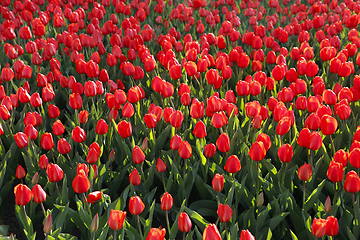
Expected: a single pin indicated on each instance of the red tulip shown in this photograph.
(134, 177)
(128, 110)
(150, 120)
(318, 227)
(53, 111)
(78, 134)
(211, 233)
(39, 194)
(200, 130)
(304, 136)
(116, 219)
(94, 197)
(136, 205)
(223, 143)
(184, 222)
(332, 226)
(197, 110)
(312, 121)
(156, 234)
(265, 139)
(252, 109)
(304, 172)
(20, 172)
(176, 118)
(232, 164)
(101, 127)
(315, 141)
(328, 125)
(63, 146)
(341, 157)
(43, 161)
(54, 172)
(58, 128)
(175, 142)
(209, 150)
(257, 151)
(246, 235)
(283, 126)
(335, 172)
(138, 155)
(160, 165)
(124, 129)
(47, 142)
(23, 194)
(285, 153)
(90, 89)
(21, 139)
(185, 150)
(166, 202)
(352, 182)
(224, 212)
(75, 101)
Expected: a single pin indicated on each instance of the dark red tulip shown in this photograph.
(83, 116)
(335, 172)
(124, 129)
(21, 139)
(209, 150)
(342, 157)
(304, 172)
(20, 172)
(166, 202)
(75, 101)
(199, 130)
(138, 155)
(134, 177)
(285, 153)
(63, 146)
(58, 128)
(31, 132)
(101, 127)
(160, 165)
(150, 120)
(352, 182)
(223, 143)
(47, 141)
(315, 141)
(43, 161)
(283, 126)
(304, 136)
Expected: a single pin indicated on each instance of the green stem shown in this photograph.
(114, 234)
(58, 192)
(304, 189)
(138, 220)
(87, 204)
(43, 209)
(167, 221)
(332, 145)
(162, 175)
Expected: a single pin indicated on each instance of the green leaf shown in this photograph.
(84, 216)
(197, 218)
(293, 236)
(314, 196)
(198, 234)
(60, 219)
(4, 230)
(150, 219)
(275, 220)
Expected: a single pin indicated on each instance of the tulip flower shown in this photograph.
(166, 202)
(23, 194)
(138, 155)
(184, 222)
(94, 197)
(218, 182)
(175, 142)
(47, 142)
(81, 183)
(160, 165)
(335, 172)
(124, 129)
(78, 134)
(352, 182)
(156, 234)
(224, 212)
(21, 139)
(54, 172)
(354, 157)
(39, 194)
(134, 177)
(318, 227)
(246, 235)
(232, 164)
(20, 172)
(48, 224)
(185, 150)
(101, 127)
(211, 233)
(136, 205)
(116, 219)
(304, 172)
(257, 151)
(83, 116)
(199, 130)
(223, 143)
(58, 128)
(209, 150)
(176, 118)
(328, 125)
(332, 226)
(285, 153)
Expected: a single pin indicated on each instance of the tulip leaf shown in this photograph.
(314, 196)
(130, 231)
(148, 221)
(198, 234)
(200, 152)
(66, 236)
(104, 232)
(60, 219)
(84, 216)
(174, 229)
(25, 220)
(4, 230)
(64, 191)
(162, 139)
(231, 194)
(293, 236)
(150, 178)
(263, 216)
(356, 227)
(276, 220)
(3, 171)
(75, 218)
(197, 218)
(234, 231)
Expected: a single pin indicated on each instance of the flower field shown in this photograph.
(194, 119)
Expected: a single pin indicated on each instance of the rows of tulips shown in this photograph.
(180, 119)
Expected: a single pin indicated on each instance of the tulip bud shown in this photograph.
(160, 165)
(35, 178)
(260, 199)
(327, 205)
(112, 155)
(20, 172)
(96, 172)
(166, 202)
(95, 223)
(136, 205)
(134, 177)
(218, 182)
(144, 144)
(48, 224)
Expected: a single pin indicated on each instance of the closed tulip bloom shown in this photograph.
(218, 182)
(283, 126)
(90, 89)
(21, 139)
(354, 157)
(252, 109)
(313, 121)
(124, 129)
(101, 127)
(175, 142)
(156, 234)
(75, 101)
(200, 130)
(83, 116)
(176, 118)
(47, 141)
(211, 233)
(332, 226)
(136, 205)
(304, 172)
(92, 156)
(197, 110)
(53, 111)
(78, 134)
(43, 162)
(160, 165)
(224, 212)
(265, 139)
(116, 219)
(63, 146)
(39, 194)
(20, 172)
(352, 182)
(185, 150)
(304, 136)
(315, 141)
(318, 227)
(94, 197)
(285, 153)
(257, 151)
(335, 172)
(134, 177)
(54, 172)
(166, 202)
(58, 128)
(138, 155)
(232, 164)
(223, 143)
(328, 125)
(184, 222)
(246, 235)
(150, 120)
(81, 183)
(341, 157)
(23, 194)
(128, 110)
(209, 150)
